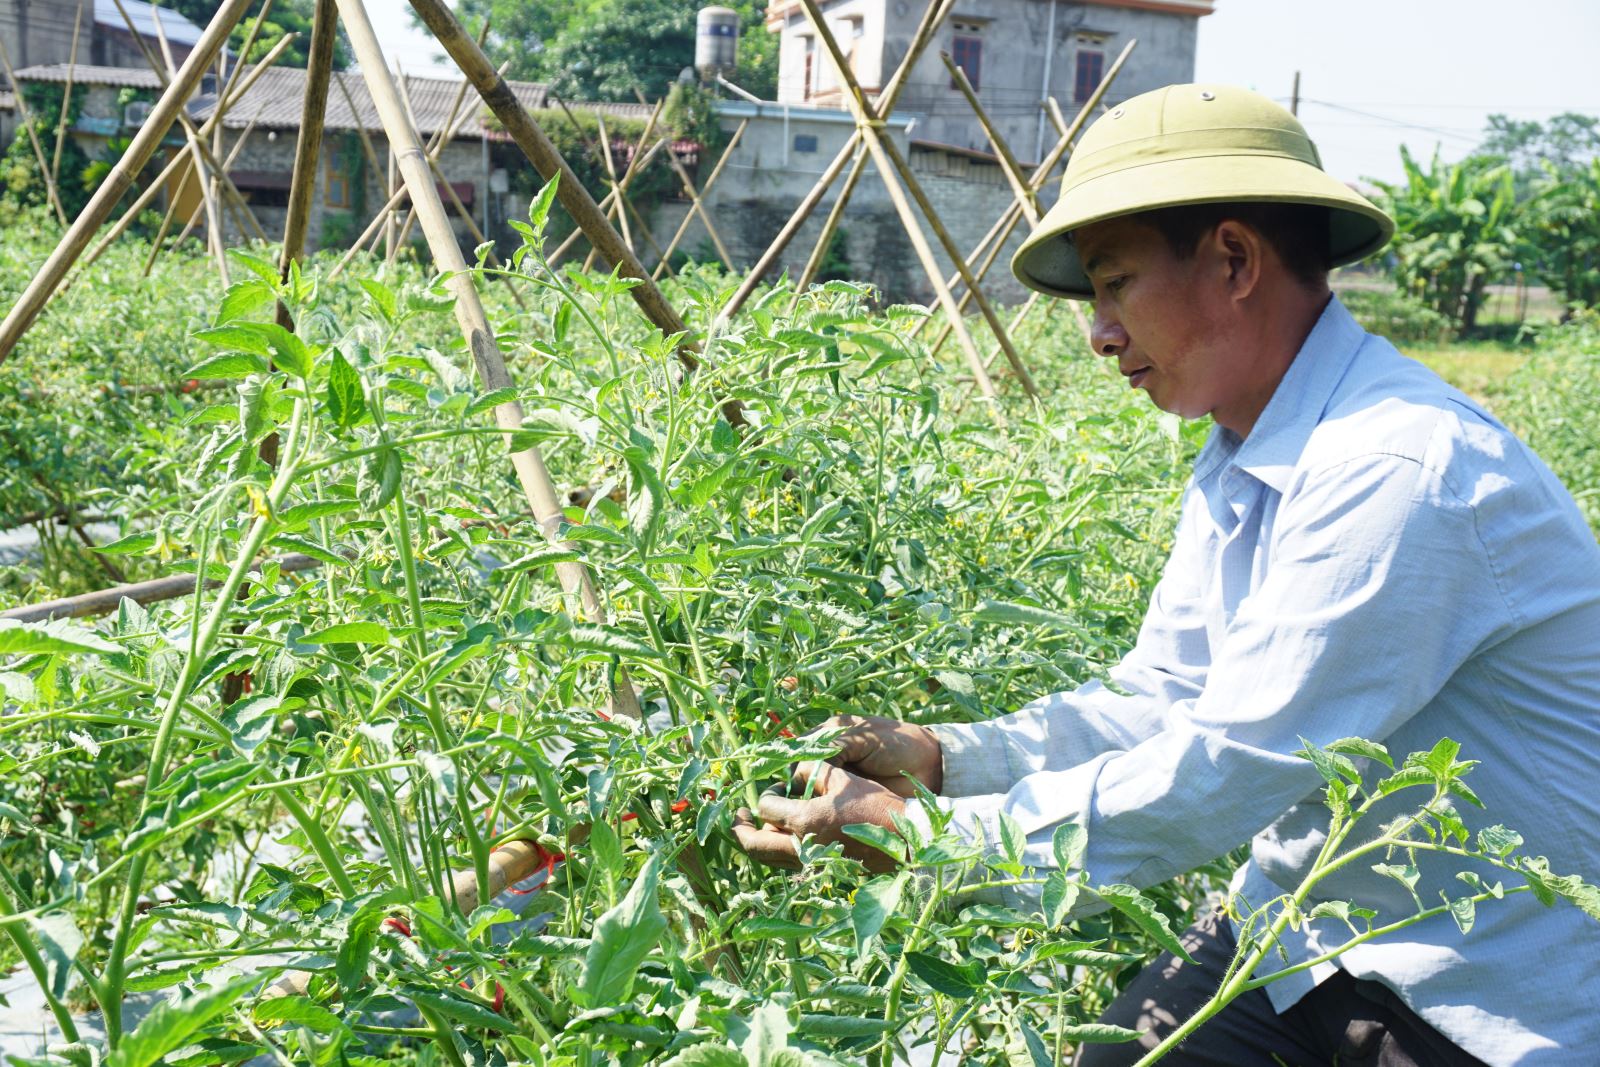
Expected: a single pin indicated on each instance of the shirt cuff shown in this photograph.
(977, 759)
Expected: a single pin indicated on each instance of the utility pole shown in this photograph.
(1294, 97)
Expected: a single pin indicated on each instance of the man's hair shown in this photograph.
(1299, 233)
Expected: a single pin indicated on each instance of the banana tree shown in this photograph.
(1564, 222)
(1457, 229)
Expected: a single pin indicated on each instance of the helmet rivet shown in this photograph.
(1208, 95)
(1117, 114)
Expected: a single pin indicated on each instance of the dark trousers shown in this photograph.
(1343, 1022)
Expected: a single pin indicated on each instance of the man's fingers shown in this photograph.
(783, 811)
(773, 847)
(817, 777)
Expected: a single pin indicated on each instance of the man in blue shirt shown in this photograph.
(1363, 551)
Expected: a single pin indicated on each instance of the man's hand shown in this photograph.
(879, 749)
(838, 799)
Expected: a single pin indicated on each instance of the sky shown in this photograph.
(1374, 74)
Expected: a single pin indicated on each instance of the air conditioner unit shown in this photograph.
(135, 113)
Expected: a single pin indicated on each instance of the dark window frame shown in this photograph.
(966, 52)
(1091, 67)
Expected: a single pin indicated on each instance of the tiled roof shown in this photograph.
(275, 100)
(178, 30)
(84, 74)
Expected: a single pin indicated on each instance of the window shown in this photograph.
(335, 187)
(805, 142)
(811, 56)
(967, 52)
(1091, 68)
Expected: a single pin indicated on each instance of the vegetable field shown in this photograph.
(246, 810)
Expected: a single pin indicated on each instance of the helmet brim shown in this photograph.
(1047, 262)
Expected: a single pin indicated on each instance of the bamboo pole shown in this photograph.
(371, 232)
(694, 200)
(610, 198)
(438, 139)
(1001, 231)
(172, 208)
(546, 158)
(610, 166)
(1027, 201)
(154, 188)
(66, 98)
(885, 155)
(480, 337)
(889, 165)
(208, 191)
(102, 601)
(705, 190)
(619, 196)
(33, 138)
(932, 18)
(120, 178)
(830, 226)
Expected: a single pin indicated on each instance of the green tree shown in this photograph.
(286, 16)
(1564, 228)
(605, 49)
(1567, 142)
(1457, 229)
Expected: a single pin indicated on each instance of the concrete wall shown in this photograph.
(40, 31)
(761, 186)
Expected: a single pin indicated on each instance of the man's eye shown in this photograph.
(1116, 284)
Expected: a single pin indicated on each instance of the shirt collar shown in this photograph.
(1273, 448)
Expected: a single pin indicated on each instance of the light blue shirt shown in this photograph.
(1380, 558)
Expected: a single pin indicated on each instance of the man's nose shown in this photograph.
(1107, 335)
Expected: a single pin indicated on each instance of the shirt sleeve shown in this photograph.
(1378, 589)
(1167, 664)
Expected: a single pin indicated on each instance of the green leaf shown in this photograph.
(228, 365)
(875, 902)
(879, 837)
(1463, 910)
(942, 976)
(838, 1026)
(1360, 746)
(382, 297)
(348, 633)
(1142, 910)
(768, 928)
(1068, 843)
(708, 1055)
(1405, 874)
(382, 481)
(461, 1011)
(1005, 613)
(1098, 1034)
(58, 635)
(133, 544)
(540, 558)
(242, 300)
(623, 937)
(59, 939)
(539, 209)
(250, 721)
(346, 400)
(1012, 839)
(1332, 766)
(299, 1010)
(240, 337)
(1060, 894)
(264, 339)
(606, 639)
(170, 1026)
(1498, 841)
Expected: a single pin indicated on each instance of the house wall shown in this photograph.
(40, 31)
(1016, 45)
(761, 186)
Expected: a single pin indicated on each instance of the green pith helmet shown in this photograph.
(1191, 144)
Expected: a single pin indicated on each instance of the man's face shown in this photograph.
(1161, 317)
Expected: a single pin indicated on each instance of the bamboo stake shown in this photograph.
(619, 197)
(208, 194)
(611, 171)
(932, 18)
(391, 224)
(172, 208)
(705, 191)
(371, 232)
(154, 188)
(33, 139)
(120, 178)
(546, 158)
(437, 141)
(888, 164)
(1027, 201)
(102, 601)
(610, 198)
(477, 234)
(830, 226)
(885, 155)
(480, 337)
(694, 200)
(66, 98)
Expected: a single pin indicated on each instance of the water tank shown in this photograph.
(716, 41)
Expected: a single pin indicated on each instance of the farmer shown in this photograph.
(1363, 552)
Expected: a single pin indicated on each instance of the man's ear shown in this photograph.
(1241, 252)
